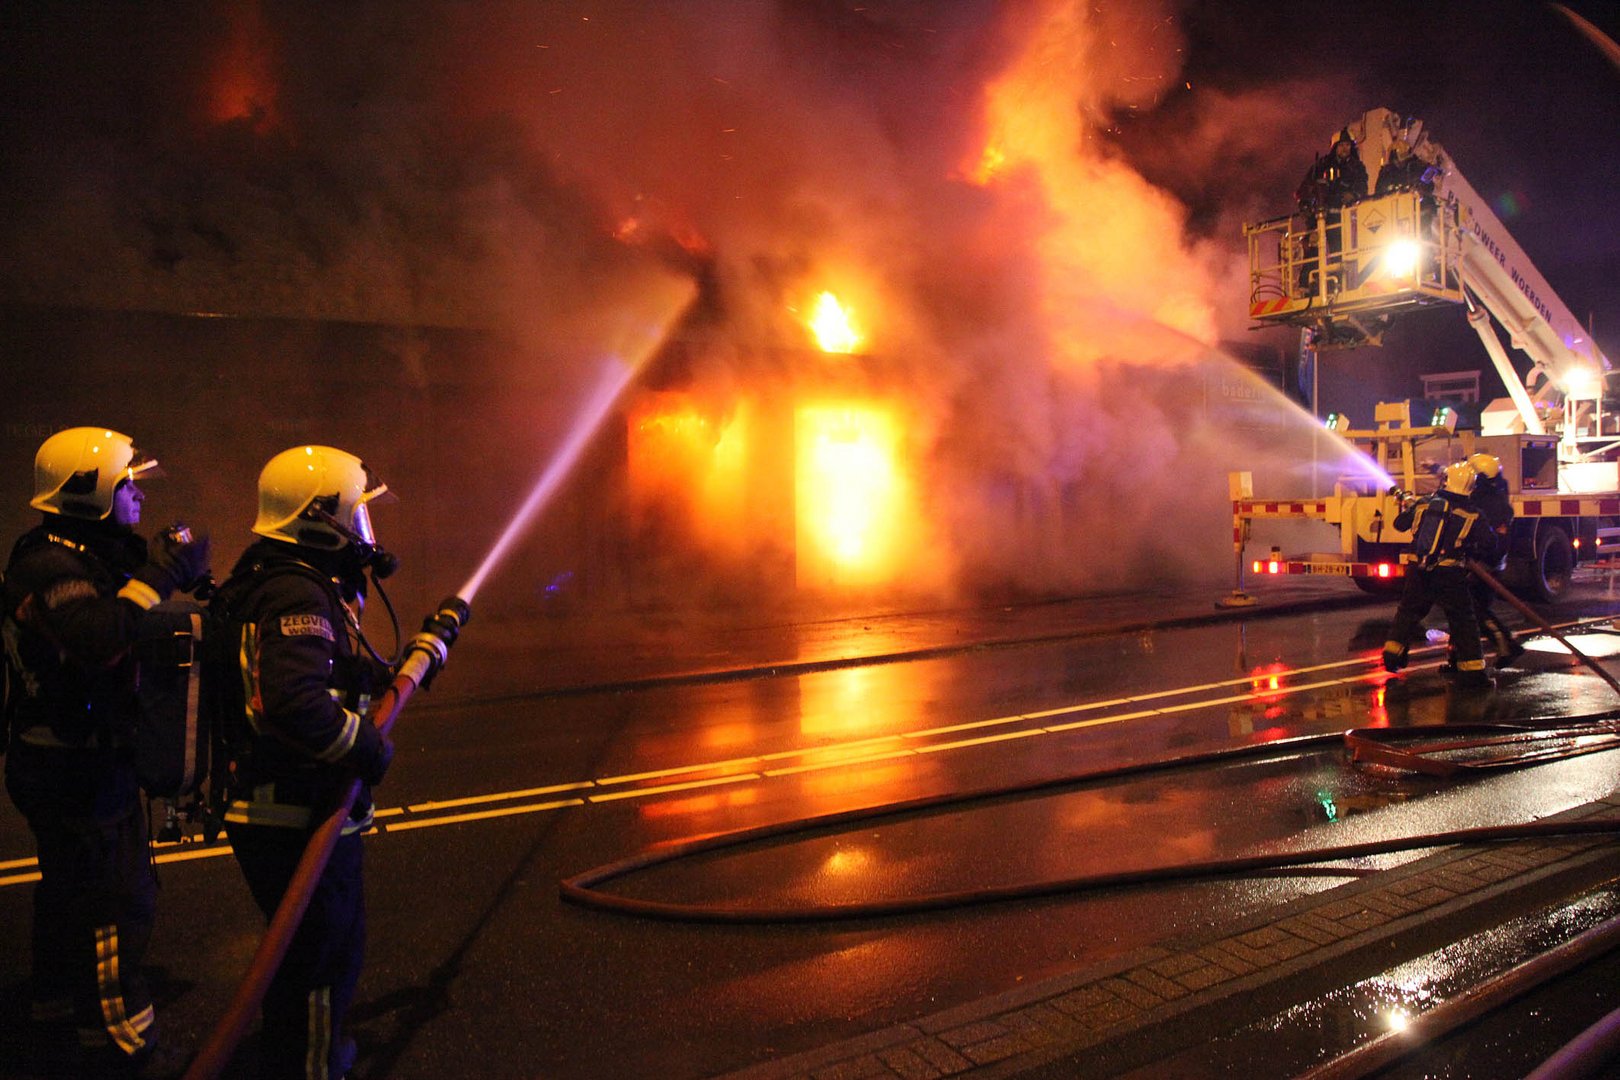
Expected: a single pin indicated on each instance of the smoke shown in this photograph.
(570, 174)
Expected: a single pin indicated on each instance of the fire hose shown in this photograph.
(1495, 746)
(1364, 745)
(424, 657)
(584, 889)
(1478, 569)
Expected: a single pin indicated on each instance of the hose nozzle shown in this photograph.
(439, 632)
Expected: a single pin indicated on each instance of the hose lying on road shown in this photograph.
(582, 889)
(1478, 569)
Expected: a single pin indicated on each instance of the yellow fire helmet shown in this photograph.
(305, 490)
(1487, 465)
(1460, 477)
(76, 471)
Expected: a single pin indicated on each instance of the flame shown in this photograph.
(990, 163)
(1112, 243)
(830, 323)
(243, 88)
(851, 492)
(686, 460)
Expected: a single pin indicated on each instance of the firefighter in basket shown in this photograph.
(307, 676)
(76, 586)
(1447, 531)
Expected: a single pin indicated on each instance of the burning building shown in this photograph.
(900, 322)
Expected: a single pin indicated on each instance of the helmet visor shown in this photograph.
(141, 467)
(360, 520)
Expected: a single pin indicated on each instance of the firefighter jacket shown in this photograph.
(295, 719)
(1411, 173)
(1490, 498)
(1445, 531)
(1332, 182)
(70, 615)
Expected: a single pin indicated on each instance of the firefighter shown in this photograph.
(75, 587)
(1336, 180)
(1405, 171)
(293, 602)
(1490, 497)
(1446, 532)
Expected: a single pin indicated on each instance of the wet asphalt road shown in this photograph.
(476, 968)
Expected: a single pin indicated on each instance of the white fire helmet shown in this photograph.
(76, 471)
(301, 487)
(1460, 477)
(1487, 465)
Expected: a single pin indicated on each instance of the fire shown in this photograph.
(990, 164)
(830, 323)
(852, 495)
(1112, 243)
(244, 87)
(683, 458)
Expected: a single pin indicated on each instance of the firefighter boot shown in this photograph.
(1506, 645)
(1394, 656)
(1471, 675)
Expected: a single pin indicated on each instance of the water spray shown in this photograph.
(615, 376)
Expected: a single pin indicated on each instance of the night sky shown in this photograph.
(1528, 108)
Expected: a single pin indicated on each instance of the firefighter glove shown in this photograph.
(372, 754)
(172, 565)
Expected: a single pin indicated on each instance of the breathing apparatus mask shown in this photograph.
(361, 549)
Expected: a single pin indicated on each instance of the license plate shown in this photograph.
(1341, 569)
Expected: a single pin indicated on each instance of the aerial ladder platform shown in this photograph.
(1342, 275)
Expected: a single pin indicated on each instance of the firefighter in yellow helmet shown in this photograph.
(75, 588)
(1446, 532)
(1490, 497)
(307, 675)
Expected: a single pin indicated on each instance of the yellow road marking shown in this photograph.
(636, 793)
(827, 757)
(790, 770)
(480, 815)
(471, 800)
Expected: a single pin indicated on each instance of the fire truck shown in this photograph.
(1341, 276)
